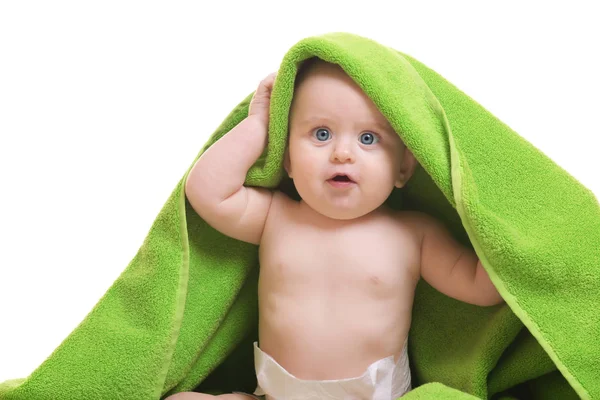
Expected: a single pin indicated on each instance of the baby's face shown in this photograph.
(335, 127)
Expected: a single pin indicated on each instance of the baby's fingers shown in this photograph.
(259, 105)
(266, 85)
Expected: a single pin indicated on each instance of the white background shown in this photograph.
(103, 107)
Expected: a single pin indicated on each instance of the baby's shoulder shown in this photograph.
(282, 202)
(414, 221)
(424, 225)
(283, 208)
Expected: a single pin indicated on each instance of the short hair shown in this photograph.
(306, 66)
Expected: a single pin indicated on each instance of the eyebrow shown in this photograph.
(382, 127)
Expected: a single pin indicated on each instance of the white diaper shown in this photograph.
(383, 380)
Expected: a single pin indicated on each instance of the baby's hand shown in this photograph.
(260, 103)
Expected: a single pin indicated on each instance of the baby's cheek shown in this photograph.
(381, 178)
(310, 161)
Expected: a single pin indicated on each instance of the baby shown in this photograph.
(338, 269)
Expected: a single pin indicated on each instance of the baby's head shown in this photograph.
(335, 127)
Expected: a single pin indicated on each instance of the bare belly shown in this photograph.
(320, 336)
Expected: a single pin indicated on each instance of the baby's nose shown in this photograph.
(343, 154)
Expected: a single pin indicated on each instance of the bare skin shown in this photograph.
(334, 299)
(338, 269)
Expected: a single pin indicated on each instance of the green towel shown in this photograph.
(183, 313)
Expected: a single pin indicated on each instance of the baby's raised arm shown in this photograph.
(215, 186)
(452, 268)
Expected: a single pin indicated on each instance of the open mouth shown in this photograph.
(342, 178)
(341, 181)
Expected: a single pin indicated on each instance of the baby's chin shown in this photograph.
(340, 212)
(341, 205)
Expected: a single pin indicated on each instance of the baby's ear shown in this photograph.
(407, 168)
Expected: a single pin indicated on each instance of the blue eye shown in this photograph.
(371, 138)
(322, 134)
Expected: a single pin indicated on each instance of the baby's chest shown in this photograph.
(378, 260)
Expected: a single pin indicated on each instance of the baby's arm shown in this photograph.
(452, 268)
(215, 185)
